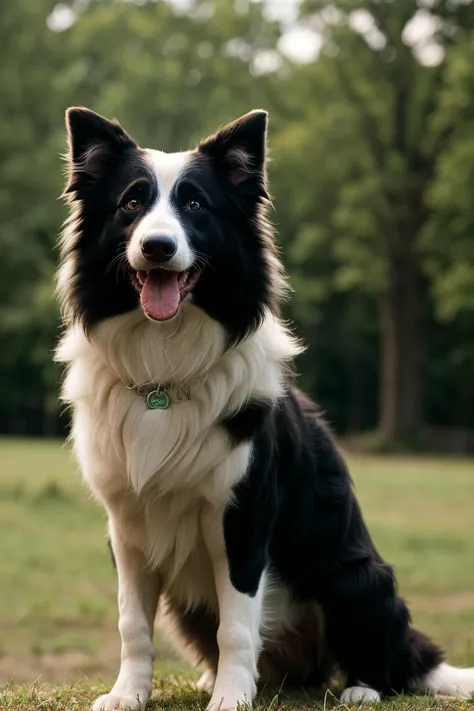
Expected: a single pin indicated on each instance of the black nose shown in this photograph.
(159, 248)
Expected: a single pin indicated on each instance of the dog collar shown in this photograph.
(159, 396)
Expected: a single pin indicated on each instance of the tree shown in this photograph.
(30, 181)
(384, 157)
(186, 71)
(371, 171)
(448, 239)
(169, 77)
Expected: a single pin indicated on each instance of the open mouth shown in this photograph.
(162, 290)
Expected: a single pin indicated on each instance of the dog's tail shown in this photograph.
(448, 680)
(431, 674)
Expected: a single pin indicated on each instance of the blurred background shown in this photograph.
(372, 172)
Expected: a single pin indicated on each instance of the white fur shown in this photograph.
(165, 476)
(448, 680)
(354, 694)
(238, 635)
(161, 218)
(139, 589)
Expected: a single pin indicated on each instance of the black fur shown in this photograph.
(235, 287)
(246, 424)
(296, 513)
(106, 168)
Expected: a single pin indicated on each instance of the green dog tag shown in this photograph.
(157, 400)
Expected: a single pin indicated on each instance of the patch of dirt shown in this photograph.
(63, 667)
(456, 602)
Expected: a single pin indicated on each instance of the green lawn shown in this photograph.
(57, 599)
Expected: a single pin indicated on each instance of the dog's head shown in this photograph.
(155, 230)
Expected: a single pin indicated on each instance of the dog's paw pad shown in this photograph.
(354, 694)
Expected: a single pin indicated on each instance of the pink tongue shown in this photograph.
(160, 295)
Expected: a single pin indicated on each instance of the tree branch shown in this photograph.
(367, 121)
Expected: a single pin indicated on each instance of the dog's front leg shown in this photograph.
(238, 636)
(138, 592)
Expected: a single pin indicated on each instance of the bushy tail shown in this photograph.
(448, 680)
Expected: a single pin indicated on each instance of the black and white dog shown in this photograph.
(228, 501)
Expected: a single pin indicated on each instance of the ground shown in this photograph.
(176, 694)
(58, 610)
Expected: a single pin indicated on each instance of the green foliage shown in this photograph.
(449, 237)
(372, 169)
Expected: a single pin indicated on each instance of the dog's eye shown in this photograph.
(193, 206)
(132, 205)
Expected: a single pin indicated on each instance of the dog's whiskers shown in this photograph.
(119, 261)
(202, 261)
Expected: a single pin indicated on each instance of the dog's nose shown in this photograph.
(159, 248)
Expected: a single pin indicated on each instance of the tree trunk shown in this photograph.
(400, 391)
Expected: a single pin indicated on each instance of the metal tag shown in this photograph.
(158, 400)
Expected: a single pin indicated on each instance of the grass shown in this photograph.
(58, 608)
(176, 694)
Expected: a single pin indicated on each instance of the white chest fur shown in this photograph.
(157, 469)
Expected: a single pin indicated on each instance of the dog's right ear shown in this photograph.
(239, 151)
(93, 141)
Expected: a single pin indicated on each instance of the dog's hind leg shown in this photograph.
(193, 633)
(368, 631)
(207, 681)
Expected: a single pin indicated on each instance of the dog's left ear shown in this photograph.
(93, 143)
(239, 150)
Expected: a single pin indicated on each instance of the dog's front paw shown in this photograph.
(228, 704)
(354, 694)
(118, 702)
(232, 697)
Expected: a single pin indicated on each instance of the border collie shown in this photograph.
(229, 506)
